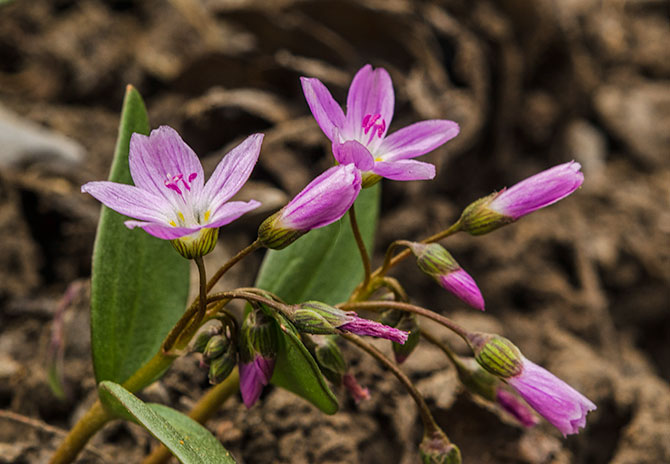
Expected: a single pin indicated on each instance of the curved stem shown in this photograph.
(361, 246)
(255, 245)
(383, 305)
(83, 430)
(202, 297)
(203, 410)
(397, 289)
(390, 261)
(429, 424)
(247, 296)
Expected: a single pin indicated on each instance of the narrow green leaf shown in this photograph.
(324, 265)
(139, 284)
(189, 441)
(297, 371)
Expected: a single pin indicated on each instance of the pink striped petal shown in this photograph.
(353, 152)
(404, 170)
(128, 200)
(230, 211)
(417, 139)
(163, 231)
(370, 93)
(326, 111)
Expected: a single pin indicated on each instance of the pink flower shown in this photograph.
(325, 200)
(170, 199)
(254, 376)
(559, 403)
(360, 136)
(538, 191)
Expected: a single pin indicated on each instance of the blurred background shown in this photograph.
(583, 287)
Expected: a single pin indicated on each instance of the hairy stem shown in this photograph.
(429, 424)
(203, 410)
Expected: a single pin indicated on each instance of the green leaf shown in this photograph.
(297, 371)
(324, 265)
(139, 283)
(189, 441)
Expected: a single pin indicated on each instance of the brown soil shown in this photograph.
(582, 287)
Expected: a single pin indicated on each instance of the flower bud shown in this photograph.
(437, 449)
(508, 205)
(325, 200)
(496, 354)
(203, 338)
(197, 244)
(438, 263)
(258, 353)
(221, 367)
(406, 322)
(319, 318)
(215, 347)
(329, 357)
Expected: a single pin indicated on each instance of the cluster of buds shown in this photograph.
(219, 352)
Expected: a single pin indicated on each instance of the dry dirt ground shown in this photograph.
(582, 287)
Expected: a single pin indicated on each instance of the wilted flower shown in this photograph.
(319, 318)
(359, 137)
(438, 263)
(508, 205)
(325, 200)
(170, 199)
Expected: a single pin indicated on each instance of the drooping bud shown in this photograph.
(516, 408)
(437, 449)
(319, 318)
(203, 338)
(438, 263)
(215, 347)
(496, 354)
(325, 200)
(329, 357)
(258, 353)
(221, 367)
(406, 322)
(498, 209)
(197, 244)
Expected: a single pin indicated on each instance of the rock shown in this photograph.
(23, 140)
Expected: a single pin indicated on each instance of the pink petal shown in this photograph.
(538, 191)
(162, 231)
(417, 139)
(230, 211)
(231, 173)
(163, 154)
(128, 200)
(353, 152)
(371, 92)
(404, 170)
(325, 200)
(326, 111)
(461, 284)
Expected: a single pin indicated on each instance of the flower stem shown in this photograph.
(94, 419)
(391, 261)
(202, 297)
(203, 410)
(410, 308)
(429, 424)
(361, 246)
(255, 245)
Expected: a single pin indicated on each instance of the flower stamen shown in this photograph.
(374, 124)
(172, 182)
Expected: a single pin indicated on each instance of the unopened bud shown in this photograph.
(479, 219)
(329, 357)
(258, 346)
(215, 347)
(437, 449)
(276, 237)
(409, 325)
(438, 263)
(496, 354)
(203, 338)
(221, 367)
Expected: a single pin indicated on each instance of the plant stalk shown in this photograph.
(361, 246)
